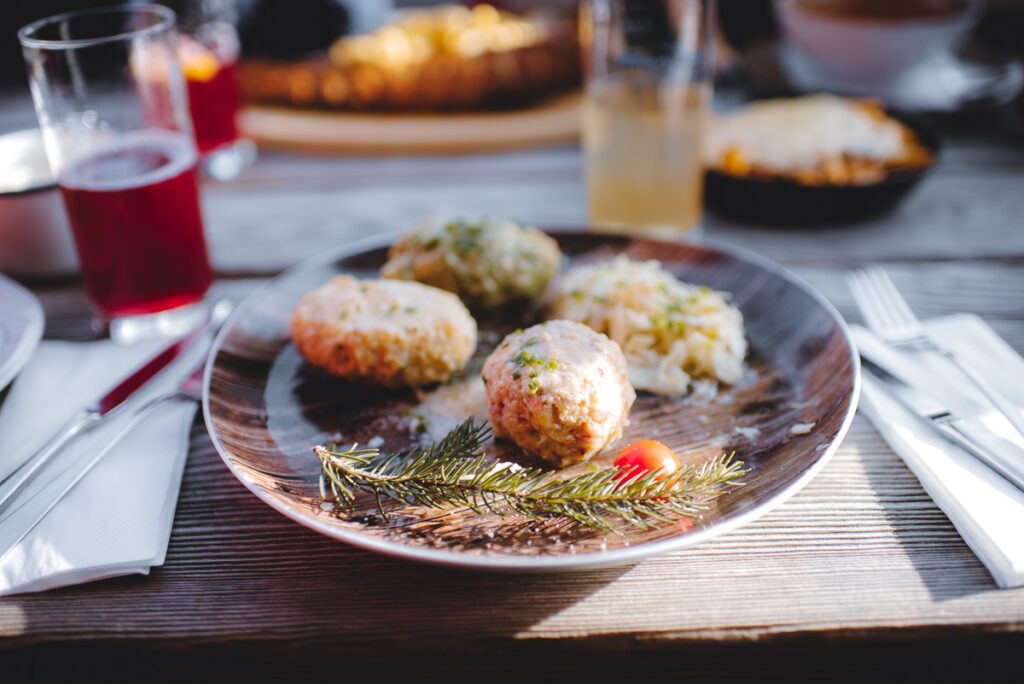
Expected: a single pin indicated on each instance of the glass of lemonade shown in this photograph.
(649, 66)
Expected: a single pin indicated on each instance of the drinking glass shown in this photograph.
(648, 66)
(208, 49)
(111, 103)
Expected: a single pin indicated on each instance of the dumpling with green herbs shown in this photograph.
(488, 264)
(383, 332)
(558, 390)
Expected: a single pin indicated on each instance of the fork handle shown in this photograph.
(79, 421)
(990, 392)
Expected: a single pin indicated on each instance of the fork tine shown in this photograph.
(877, 293)
(901, 303)
(899, 310)
(864, 297)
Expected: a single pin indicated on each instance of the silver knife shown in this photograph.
(944, 421)
(20, 518)
(104, 407)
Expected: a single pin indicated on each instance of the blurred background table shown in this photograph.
(857, 567)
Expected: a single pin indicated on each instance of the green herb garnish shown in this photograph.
(454, 472)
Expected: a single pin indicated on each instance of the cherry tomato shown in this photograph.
(644, 456)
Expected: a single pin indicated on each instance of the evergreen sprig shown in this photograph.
(455, 472)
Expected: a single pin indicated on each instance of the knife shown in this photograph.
(104, 407)
(944, 421)
(21, 518)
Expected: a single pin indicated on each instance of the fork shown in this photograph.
(889, 317)
(16, 522)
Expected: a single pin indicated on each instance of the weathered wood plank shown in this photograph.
(992, 290)
(861, 553)
(862, 546)
(289, 207)
(964, 210)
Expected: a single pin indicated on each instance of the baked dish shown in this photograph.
(814, 140)
(438, 59)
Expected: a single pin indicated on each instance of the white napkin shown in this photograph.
(986, 510)
(117, 519)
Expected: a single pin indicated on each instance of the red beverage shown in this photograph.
(212, 92)
(134, 213)
(213, 104)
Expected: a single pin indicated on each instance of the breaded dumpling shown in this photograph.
(559, 390)
(487, 263)
(383, 332)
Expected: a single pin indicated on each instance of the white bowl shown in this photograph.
(869, 50)
(35, 239)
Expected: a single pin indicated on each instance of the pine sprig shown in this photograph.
(455, 472)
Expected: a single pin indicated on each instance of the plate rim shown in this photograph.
(572, 562)
(31, 332)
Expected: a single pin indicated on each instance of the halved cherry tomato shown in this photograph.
(640, 458)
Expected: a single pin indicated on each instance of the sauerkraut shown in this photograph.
(671, 332)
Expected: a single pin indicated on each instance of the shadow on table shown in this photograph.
(947, 566)
(238, 570)
(247, 595)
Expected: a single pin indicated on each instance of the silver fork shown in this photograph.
(22, 519)
(17, 521)
(889, 317)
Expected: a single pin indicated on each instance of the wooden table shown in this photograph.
(857, 567)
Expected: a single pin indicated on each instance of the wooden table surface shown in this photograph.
(860, 564)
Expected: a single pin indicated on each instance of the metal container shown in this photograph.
(35, 240)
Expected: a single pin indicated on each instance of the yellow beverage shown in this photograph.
(643, 157)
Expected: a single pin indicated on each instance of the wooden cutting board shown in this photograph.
(552, 122)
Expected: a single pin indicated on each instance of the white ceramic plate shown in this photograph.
(21, 328)
(265, 408)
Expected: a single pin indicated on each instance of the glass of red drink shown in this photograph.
(112, 105)
(208, 50)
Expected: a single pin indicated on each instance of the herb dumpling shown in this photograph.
(558, 390)
(672, 333)
(383, 332)
(486, 263)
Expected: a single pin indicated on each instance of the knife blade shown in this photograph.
(944, 421)
(122, 391)
(21, 517)
(104, 406)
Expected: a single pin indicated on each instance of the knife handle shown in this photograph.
(990, 392)
(79, 421)
(16, 524)
(1010, 471)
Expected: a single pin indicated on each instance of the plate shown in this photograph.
(21, 328)
(265, 408)
(554, 121)
(781, 201)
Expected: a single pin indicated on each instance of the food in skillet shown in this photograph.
(384, 332)
(558, 390)
(487, 263)
(442, 58)
(814, 140)
(672, 333)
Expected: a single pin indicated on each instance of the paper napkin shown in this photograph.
(117, 519)
(986, 510)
